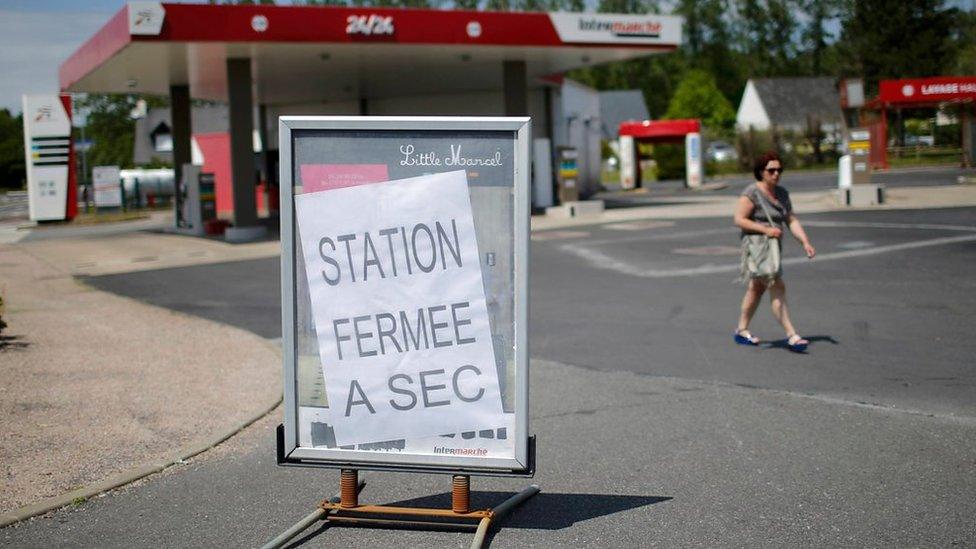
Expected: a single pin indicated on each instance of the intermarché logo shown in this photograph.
(641, 29)
(461, 451)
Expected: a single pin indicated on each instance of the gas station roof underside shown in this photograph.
(311, 54)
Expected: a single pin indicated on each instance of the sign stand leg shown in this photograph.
(344, 509)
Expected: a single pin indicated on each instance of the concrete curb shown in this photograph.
(132, 475)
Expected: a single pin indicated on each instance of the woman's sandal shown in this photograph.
(743, 337)
(796, 343)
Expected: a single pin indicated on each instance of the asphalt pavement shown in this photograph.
(654, 428)
(889, 327)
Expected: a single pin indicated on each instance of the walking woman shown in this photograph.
(762, 210)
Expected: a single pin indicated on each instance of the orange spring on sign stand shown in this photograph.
(461, 494)
(348, 492)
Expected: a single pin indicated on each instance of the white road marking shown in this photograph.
(668, 236)
(558, 235)
(638, 225)
(707, 250)
(601, 260)
(855, 244)
(870, 225)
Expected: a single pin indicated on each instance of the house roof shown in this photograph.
(788, 101)
(203, 119)
(619, 106)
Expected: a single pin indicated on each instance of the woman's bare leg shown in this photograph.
(777, 298)
(754, 293)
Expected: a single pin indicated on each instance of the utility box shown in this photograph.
(859, 146)
(568, 174)
(854, 174)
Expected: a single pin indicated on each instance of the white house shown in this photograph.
(790, 104)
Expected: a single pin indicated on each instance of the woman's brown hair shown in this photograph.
(760, 164)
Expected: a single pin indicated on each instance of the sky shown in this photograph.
(36, 36)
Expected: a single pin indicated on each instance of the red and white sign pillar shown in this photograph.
(52, 186)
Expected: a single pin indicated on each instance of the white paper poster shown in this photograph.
(399, 307)
(106, 181)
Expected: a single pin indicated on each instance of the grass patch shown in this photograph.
(922, 157)
(95, 218)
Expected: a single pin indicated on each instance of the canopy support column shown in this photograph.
(516, 88)
(242, 141)
(179, 104)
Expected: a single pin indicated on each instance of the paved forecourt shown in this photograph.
(624, 461)
(654, 429)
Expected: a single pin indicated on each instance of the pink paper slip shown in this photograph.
(324, 177)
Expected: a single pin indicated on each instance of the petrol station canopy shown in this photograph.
(301, 54)
(347, 60)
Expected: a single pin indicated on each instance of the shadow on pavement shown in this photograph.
(784, 345)
(544, 511)
(643, 202)
(12, 343)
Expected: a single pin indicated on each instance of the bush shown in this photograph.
(796, 150)
(670, 161)
(949, 135)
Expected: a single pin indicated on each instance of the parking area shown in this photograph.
(886, 303)
(654, 428)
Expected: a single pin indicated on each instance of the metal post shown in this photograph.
(303, 524)
(499, 512)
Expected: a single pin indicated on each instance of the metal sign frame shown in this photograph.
(289, 451)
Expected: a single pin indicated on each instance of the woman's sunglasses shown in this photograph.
(774, 170)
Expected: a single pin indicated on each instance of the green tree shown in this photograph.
(627, 6)
(698, 96)
(815, 35)
(965, 40)
(898, 38)
(709, 35)
(110, 128)
(12, 162)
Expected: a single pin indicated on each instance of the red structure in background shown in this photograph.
(71, 208)
(914, 93)
(215, 148)
(660, 131)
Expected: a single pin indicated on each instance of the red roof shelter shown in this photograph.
(633, 132)
(922, 92)
(660, 131)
